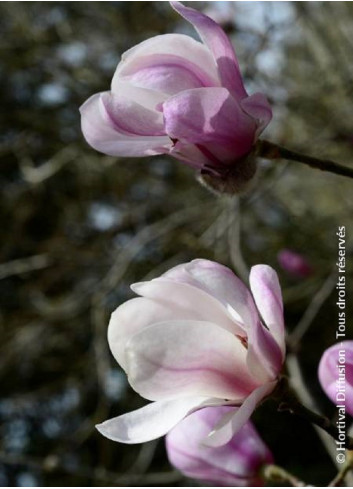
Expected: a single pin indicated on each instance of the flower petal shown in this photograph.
(149, 422)
(231, 423)
(221, 283)
(108, 125)
(258, 107)
(131, 118)
(150, 99)
(187, 358)
(187, 62)
(330, 377)
(267, 293)
(162, 302)
(210, 117)
(220, 46)
(235, 463)
(189, 300)
(190, 154)
(264, 357)
(167, 73)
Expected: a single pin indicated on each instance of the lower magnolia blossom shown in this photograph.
(238, 463)
(195, 338)
(336, 374)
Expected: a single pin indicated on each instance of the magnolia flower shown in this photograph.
(196, 338)
(238, 463)
(294, 263)
(336, 374)
(172, 94)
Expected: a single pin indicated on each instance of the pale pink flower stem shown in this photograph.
(272, 151)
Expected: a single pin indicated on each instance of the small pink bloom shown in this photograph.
(195, 338)
(172, 94)
(294, 263)
(238, 463)
(336, 374)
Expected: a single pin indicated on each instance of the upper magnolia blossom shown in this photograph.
(336, 374)
(238, 463)
(196, 338)
(172, 94)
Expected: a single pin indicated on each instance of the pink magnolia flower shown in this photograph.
(172, 94)
(336, 374)
(294, 263)
(238, 463)
(194, 339)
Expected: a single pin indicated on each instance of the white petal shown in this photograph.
(149, 422)
(173, 303)
(195, 301)
(187, 358)
(231, 424)
(221, 283)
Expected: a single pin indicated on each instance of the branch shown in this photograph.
(24, 265)
(274, 473)
(295, 337)
(287, 401)
(272, 151)
(347, 467)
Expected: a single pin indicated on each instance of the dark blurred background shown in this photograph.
(78, 227)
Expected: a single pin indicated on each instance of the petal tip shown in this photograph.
(100, 427)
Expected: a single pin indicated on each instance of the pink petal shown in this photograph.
(188, 358)
(149, 422)
(135, 315)
(230, 424)
(187, 62)
(131, 118)
(328, 364)
(258, 107)
(167, 73)
(264, 357)
(212, 118)
(120, 127)
(163, 302)
(220, 282)
(150, 99)
(268, 297)
(329, 361)
(187, 300)
(329, 373)
(190, 154)
(236, 463)
(220, 46)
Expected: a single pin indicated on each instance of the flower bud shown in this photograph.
(336, 374)
(238, 463)
(294, 263)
